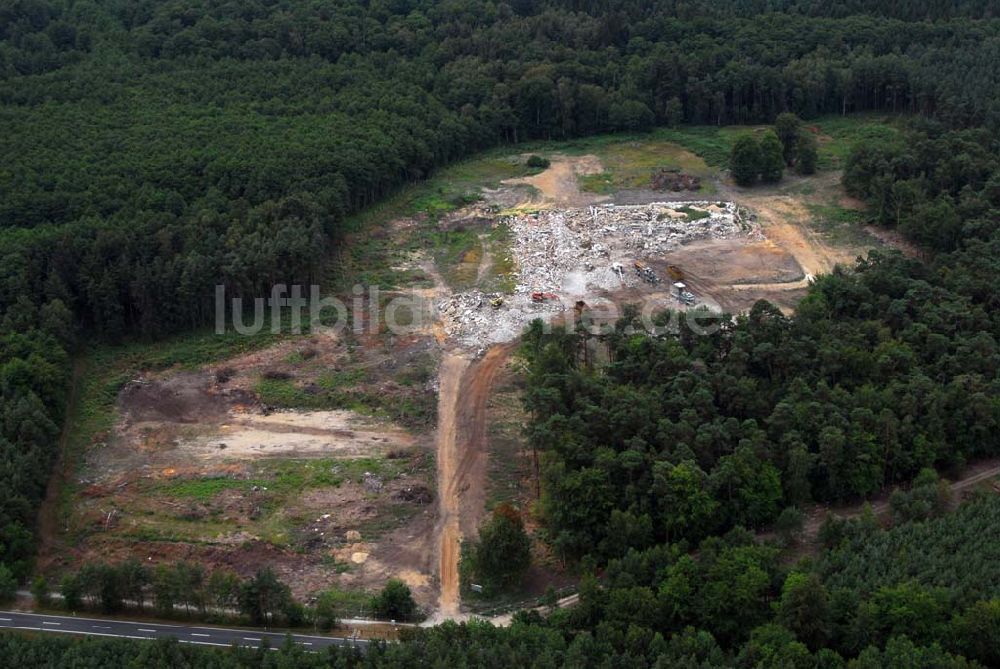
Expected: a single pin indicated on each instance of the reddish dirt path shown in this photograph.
(464, 389)
(452, 369)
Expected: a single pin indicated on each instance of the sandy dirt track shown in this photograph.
(462, 459)
(452, 369)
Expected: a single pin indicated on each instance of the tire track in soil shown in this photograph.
(464, 388)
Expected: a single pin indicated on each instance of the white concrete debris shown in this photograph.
(576, 253)
(469, 317)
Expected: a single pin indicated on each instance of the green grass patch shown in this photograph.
(276, 485)
(416, 412)
(630, 162)
(693, 214)
(711, 143)
(602, 183)
(350, 603)
(286, 394)
(839, 134)
(841, 226)
(503, 270)
(345, 378)
(457, 254)
(283, 477)
(371, 252)
(292, 476)
(203, 489)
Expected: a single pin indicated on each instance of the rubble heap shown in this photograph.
(675, 180)
(570, 250)
(575, 253)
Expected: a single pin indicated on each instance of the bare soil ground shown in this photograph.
(737, 274)
(558, 186)
(794, 252)
(199, 467)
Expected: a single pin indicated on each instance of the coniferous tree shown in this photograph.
(805, 153)
(788, 127)
(745, 160)
(772, 161)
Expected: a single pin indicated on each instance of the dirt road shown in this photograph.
(464, 389)
(983, 470)
(452, 369)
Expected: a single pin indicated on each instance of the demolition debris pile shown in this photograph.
(675, 180)
(472, 320)
(568, 255)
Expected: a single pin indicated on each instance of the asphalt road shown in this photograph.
(202, 636)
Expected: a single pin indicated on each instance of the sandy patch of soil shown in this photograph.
(297, 434)
(557, 186)
(782, 218)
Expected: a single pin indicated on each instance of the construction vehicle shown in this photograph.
(645, 272)
(539, 296)
(687, 298)
(496, 302)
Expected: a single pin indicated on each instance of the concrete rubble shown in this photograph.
(577, 253)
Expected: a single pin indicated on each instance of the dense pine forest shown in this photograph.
(883, 371)
(155, 149)
(886, 373)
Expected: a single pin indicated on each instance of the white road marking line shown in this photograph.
(117, 636)
(250, 638)
(76, 619)
(204, 643)
(50, 627)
